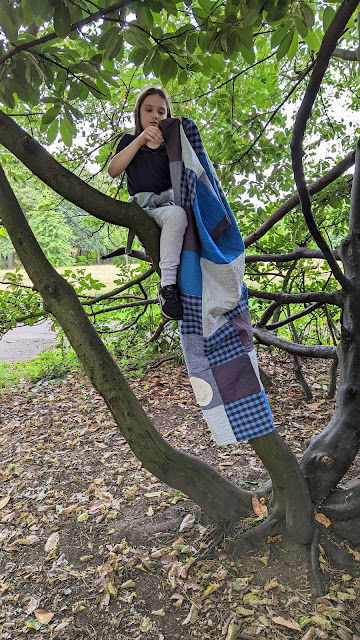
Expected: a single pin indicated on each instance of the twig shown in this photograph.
(315, 563)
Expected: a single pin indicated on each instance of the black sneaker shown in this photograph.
(170, 304)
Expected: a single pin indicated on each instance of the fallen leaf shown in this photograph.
(259, 508)
(232, 631)
(192, 615)
(321, 517)
(187, 522)
(211, 588)
(4, 501)
(52, 541)
(310, 634)
(289, 623)
(43, 616)
(158, 612)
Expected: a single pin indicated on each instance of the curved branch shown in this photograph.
(314, 351)
(124, 287)
(327, 47)
(297, 254)
(294, 200)
(75, 190)
(127, 305)
(312, 296)
(74, 27)
(295, 316)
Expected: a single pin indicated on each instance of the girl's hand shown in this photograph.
(151, 136)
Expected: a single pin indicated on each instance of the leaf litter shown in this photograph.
(93, 546)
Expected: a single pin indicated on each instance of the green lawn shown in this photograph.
(105, 273)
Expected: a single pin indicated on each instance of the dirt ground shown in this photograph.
(93, 546)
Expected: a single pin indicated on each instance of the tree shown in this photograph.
(60, 72)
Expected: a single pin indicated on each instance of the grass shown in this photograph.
(105, 273)
(47, 365)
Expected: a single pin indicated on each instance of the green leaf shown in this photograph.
(300, 25)
(279, 34)
(50, 115)
(285, 45)
(294, 45)
(33, 624)
(328, 15)
(8, 20)
(75, 90)
(307, 14)
(137, 37)
(169, 70)
(113, 47)
(62, 20)
(312, 41)
(192, 41)
(67, 136)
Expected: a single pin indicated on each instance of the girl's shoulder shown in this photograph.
(125, 141)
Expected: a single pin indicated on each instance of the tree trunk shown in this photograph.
(11, 260)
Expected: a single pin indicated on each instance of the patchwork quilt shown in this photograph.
(216, 332)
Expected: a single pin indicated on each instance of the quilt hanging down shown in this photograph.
(216, 332)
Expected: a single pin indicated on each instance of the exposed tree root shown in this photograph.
(315, 563)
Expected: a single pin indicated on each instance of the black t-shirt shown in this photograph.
(148, 170)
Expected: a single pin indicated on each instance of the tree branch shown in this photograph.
(75, 190)
(124, 287)
(294, 200)
(295, 316)
(297, 254)
(314, 351)
(327, 47)
(280, 297)
(345, 54)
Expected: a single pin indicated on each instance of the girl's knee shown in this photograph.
(181, 216)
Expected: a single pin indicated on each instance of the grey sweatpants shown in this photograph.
(172, 221)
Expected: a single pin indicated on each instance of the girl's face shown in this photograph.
(152, 110)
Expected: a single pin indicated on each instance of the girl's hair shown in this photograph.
(144, 94)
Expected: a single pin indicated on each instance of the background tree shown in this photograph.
(69, 52)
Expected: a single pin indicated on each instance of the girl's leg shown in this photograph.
(172, 221)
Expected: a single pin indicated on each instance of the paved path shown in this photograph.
(24, 343)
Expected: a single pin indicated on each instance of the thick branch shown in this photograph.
(288, 298)
(314, 351)
(294, 200)
(297, 254)
(345, 54)
(75, 190)
(327, 47)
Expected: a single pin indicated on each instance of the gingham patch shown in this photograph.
(192, 323)
(192, 134)
(250, 417)
(223, 345)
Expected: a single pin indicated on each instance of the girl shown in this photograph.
(144, 159)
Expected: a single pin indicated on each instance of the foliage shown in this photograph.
(48, 365)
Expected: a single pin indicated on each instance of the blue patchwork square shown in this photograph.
(223, 345)
(250, 417)
(192, 322)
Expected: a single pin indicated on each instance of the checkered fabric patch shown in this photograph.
(192, 134)
(187, 187)
(250, 417)
(192, 322)
(241, 306)
(223, 345)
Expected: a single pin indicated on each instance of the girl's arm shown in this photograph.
(122, 159)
